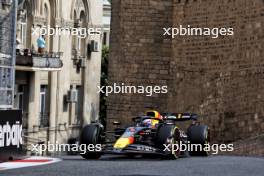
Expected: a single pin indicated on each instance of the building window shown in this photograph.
(47, 16)
(44, 117)
(78, 105)
(19, 96)
(23, 26)
(82, 41)
(79, 43)
(105, 38)
(23, 33)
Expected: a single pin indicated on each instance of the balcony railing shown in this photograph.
(39, 62)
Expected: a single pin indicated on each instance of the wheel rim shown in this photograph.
(176, 141)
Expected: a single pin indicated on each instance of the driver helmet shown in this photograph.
(150, 123)
(147, 123)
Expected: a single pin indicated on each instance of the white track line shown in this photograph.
(29, 162)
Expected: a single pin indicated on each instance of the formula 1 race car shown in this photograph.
(152, 134)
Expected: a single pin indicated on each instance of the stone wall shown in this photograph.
(139, 54)
(220, 79)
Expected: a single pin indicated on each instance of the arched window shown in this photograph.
(79, 16)
(24, 26)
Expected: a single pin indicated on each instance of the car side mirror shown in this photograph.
(116, 123)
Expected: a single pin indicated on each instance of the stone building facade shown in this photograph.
(219, 79)
(57, 102)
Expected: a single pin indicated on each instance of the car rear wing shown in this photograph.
(180, 116)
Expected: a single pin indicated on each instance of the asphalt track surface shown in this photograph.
(121, 166)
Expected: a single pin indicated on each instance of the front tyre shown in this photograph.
(91, 134)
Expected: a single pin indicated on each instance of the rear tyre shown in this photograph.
(199, 134)
(168, 134)
(91, 134)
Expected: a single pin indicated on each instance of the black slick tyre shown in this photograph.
(199, 136)
(91, 134)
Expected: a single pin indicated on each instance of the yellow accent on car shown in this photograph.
(153, 113)
(122, 143)
(154, 122)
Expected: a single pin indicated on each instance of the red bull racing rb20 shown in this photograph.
(153, 134)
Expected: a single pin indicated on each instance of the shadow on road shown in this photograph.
(115, 158)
